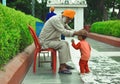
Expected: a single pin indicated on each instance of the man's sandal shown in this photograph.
(69, 67)
(65, 72)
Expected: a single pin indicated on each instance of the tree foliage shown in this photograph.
(98, 10)
(22, 5)
(26, 7)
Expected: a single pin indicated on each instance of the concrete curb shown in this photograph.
(15, 71)
(114, 41)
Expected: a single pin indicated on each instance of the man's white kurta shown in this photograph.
(51, 34)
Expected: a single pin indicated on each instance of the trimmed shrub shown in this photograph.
(14, 34)
(111, 28)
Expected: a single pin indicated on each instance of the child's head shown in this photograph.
(82, 34)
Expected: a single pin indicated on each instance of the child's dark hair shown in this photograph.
(83, 33)
(84, 37)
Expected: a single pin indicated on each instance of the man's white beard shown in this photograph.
(64, 19)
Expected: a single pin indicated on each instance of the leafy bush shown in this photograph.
(111, 28)
(14, 34)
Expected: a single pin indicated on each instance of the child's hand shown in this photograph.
(72, 40)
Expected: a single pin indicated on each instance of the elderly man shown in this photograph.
(50, 37)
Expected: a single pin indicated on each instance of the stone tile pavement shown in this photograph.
(104, 65)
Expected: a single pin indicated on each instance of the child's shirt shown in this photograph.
(84, 48)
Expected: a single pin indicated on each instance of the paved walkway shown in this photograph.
(104, 64)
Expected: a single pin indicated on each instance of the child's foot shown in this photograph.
(82, 75)
(88, 74)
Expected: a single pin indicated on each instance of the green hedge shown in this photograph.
(14, 34)
(111, 28)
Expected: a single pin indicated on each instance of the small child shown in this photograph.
(85, 50)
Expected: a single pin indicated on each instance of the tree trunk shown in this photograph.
(105, 14)
(118, 14)
(103, 10)
(113, 12)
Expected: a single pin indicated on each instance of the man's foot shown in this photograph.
(65, 71)
(69, 67)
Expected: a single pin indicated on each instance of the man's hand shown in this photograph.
(76, 33)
